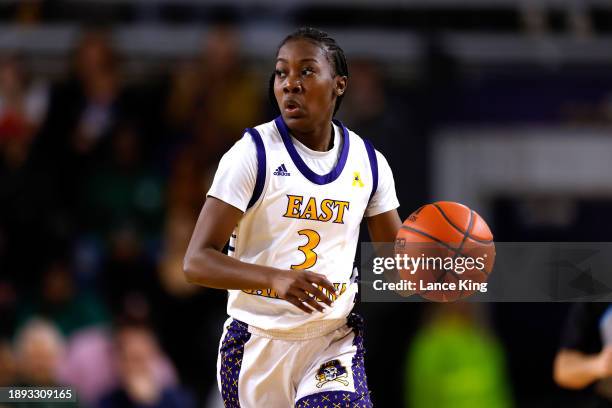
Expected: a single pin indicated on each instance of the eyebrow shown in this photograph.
(302, 60)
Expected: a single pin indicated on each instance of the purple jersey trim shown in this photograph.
(302, 166)
(232, 352)
(261, 166)
(373, 165)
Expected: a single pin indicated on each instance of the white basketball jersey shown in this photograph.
(298, 219)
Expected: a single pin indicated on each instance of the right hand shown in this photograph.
(603, 362)
(298, 288)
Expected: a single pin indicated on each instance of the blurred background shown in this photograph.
(114, 114)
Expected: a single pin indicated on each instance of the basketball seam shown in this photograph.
(482, 241)
(444, 244)
(467, 232)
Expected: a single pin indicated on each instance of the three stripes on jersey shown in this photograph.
(281, 171)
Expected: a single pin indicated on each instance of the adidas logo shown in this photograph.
(281, 171)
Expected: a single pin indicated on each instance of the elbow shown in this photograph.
(562, 375)
(190, 269)
(194, 267)
(187, 270)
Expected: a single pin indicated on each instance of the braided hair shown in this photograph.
(333, 52)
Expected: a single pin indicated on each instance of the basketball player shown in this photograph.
(290, 196)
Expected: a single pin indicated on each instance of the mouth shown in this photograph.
(292, 107)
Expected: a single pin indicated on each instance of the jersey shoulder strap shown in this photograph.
(261, 165)
(373, 165)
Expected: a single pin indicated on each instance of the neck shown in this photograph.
(319, 138)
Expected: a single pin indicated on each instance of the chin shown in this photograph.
(296, 122)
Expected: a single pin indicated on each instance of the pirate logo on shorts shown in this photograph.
(331, 371)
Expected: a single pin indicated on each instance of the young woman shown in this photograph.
(290, 196)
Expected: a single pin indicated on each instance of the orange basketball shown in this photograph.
(448, 251)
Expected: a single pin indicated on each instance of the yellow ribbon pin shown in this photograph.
(357, 179)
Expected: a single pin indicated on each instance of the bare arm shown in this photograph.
(576, 370)
(206, 265)
(383, 227)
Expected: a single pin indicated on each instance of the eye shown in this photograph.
(307, 71)
(279, 73)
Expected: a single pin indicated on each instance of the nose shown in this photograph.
(292, 85)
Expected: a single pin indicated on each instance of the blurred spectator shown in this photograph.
(97, 71)
(179, 226)
(146, 376)
(23, 105)
(186, 193)
(124, 192)
(8, 368)
(84, 108)
(127, 198)
(40, 353)
(215, 98)
(454, 362)
(83, 112)
(62, 303)
(129, 280)
(88, 365)
(39, 350)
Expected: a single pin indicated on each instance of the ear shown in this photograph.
(340, 83)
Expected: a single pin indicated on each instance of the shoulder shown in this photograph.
(254, 142)
(248, 144)
(354, 137)
(268, 131)
(243, 149)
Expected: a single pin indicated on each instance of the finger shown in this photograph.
(304, 297)
(313, 303)
(297, 293)
(296, 302)
(316, 292)
(320, 280)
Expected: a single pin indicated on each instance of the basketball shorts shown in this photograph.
(256, 370)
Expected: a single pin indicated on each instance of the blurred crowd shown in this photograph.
(100, 185)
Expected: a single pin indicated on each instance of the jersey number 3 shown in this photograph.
(307, 249)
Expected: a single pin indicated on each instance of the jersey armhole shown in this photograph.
(373, 166)
(261, 166)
